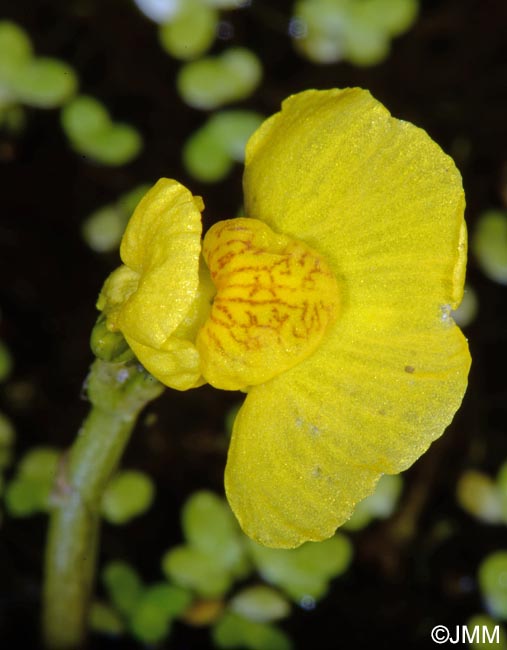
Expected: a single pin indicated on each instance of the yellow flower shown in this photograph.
(331, 307)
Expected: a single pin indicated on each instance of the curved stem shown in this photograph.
(118, 392)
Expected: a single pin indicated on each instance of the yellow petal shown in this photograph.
(311, 443)
(120, 284)
(276, 298)
(162, 244)
(375, 195)
(385, 206)
(175, 363)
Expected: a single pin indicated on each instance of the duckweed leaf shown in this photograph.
(6, 362)
(234, 631)
(123, 585)
(306, 570)
(477, 494)
(154, 611)
(365, 45)
(205, 158)
(209, 153)
(83, 117)
(493, 583)
(25, 497)
(501, 481)
(489, 244)
(356, 30)
(214, 81)
(210, 527)
(227, 4)
(191, 32)
(117, 145)
(89, 128)
(127, 202)
(233, 129)
(15, 50)
(466, 313)
(128, 495)
(487, 630)
(7, 431)
(40, 464)
(260, 603)
(390, 16)
(44, 82)
(12, 118)
(169, 599)
(105, 620)
(29, 492)
(149, 624)
(196, 570)
(104, 228)
(381, 504)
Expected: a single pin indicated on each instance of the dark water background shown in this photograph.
(447, 75)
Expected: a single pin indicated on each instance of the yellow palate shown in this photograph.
(275, 299)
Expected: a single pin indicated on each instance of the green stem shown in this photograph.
(118, 392)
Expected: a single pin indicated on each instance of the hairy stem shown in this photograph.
(118, 392)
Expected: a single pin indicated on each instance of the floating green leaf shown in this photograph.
(84, 117)
(303, 571)
(7, 431)
(105, 620)
(196, 570)
(104, 228)
(501, 483)
(234, 631)
(6, 456)
(117, 145)
(40, 464)
(214, 81)
(483, 635)
(128, 495)
(191, 32)
(12, 118)
(89, 128)
(227, 4)
(489, 244)
(123, 585)
(359, 31)
(260, 603)
(210, 527)
(365, 45)
(478, 494)
(493, 583)
(466, 313)
(44, 83)
(233, 129)
(154, 612)
(15, 51)
(6, 361)
(128, 201)
(209, 153)
(29, 492)
(390, 16)
(25, 497)
(381, 504)
(205, 158)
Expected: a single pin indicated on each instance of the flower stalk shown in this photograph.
(117, 392)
